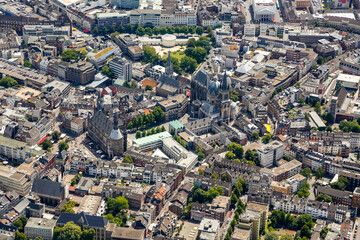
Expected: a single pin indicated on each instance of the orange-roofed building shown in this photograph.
(293, 233)
(149, 82)
(282, 138)
(159, 197)
(147, 111)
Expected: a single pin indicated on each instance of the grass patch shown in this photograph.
(177, 54)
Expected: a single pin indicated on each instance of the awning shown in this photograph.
(42, 140)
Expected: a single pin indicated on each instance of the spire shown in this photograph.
(169, 68)
(224, 82)
(115, 132)
(116, 121)
(98, 105)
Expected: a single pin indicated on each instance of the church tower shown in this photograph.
(99, 102)
(169, 68)
(225, 101)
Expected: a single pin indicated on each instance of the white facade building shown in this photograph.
(270, 153)
(264, 10)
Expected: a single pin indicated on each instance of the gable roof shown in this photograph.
(202, 78)
(102, 122)
(46, 187)
(82, 218)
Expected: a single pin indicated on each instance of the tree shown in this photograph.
(271, 236)
(88, 234)
(229, 155)
(73, 182)
(24, 220)
(286, 236)
(114, 206)
(107, 71)
(20, 236)
(187, 210)
(200, 152)
(68, 207)
(255, 136)
(55, 135)
(320, 60)
(266, 139)
(63, 146)
(234, 96)
(150, 55)
(96, 31)
(252, 156)
(210, 31)
(27, 64)
(8, 81)
(112, 29)
(188, 64)
(199, 30)
(341, 184)
(140, 31)
(300, 221)
(305, 232)
(39, 238)
(70, 54)
(46, 144)
(127, 159)
(319, 173)
(148, 88)
(192, 29)
(328, 129)
(18, 224)
(121, 28)
(214, 176)
(68, 231)
(304, 190)
(234, 199)
(199, 54)
(224, 178)
(237, 149)
(104, 30)
(191, 43)
(324, 198)
(306, 172)
(317, 108)
(129, 28)
(138, 134)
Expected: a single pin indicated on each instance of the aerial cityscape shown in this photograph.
(179, 119)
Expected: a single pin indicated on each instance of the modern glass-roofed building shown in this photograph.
(151, 142)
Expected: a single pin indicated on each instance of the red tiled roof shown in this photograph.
(282, 138)
(148, 82)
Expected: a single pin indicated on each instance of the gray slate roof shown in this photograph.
(46, 187)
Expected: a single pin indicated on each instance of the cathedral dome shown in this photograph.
(115, 134)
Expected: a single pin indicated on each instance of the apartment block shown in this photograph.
(270, 153)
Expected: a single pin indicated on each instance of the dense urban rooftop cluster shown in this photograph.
(187, 119)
